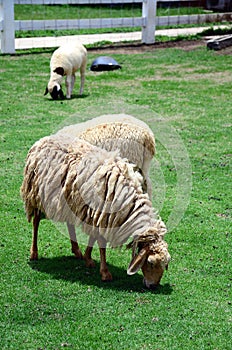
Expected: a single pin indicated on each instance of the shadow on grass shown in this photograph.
(74, 97)
(68, 268)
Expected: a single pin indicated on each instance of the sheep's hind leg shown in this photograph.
(87, 256)
(105, 273)
(82, 73)
(68, 83)
(34, 246)
(73, 82)
(75, 247)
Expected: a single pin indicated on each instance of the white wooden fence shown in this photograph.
(148, 20)
(8, 25)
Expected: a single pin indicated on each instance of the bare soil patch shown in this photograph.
(134, 48)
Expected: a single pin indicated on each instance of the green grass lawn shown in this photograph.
(185, 97)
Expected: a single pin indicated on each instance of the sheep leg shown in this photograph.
(105, 273)
(34, 246)
(75, 247)
(68, 83)
(73, 82)
(82, 73)
(87, 256)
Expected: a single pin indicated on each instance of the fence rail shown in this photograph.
(75, 2)
(96, 2)
(148, 20)
(80, 24)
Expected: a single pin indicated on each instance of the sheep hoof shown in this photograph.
(106, 276)
(89, 263)
(34, 256)
(77, 254)
(76, 250)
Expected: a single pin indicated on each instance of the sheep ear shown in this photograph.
(137, 262)
(59, 70)
(46, 91)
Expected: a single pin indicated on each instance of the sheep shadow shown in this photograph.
(70, 269)
(74, 97)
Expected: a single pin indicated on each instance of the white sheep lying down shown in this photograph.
(81, 184)
(65, 61)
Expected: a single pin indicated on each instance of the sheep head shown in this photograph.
(54, 85)
(152, 257)
(55, 91)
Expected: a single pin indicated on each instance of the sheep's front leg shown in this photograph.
(87, 256)
(68, 83)
(34, 246)
(75, 247)
(105, 273)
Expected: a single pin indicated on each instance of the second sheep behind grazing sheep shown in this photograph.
(65, 61)
(131, 136)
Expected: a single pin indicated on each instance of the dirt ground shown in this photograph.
(134, 48)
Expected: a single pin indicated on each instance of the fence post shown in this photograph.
(149, 14)
(7, 32)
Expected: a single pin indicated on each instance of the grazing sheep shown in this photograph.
(81, 184)
(131, 136)
(65, 61)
